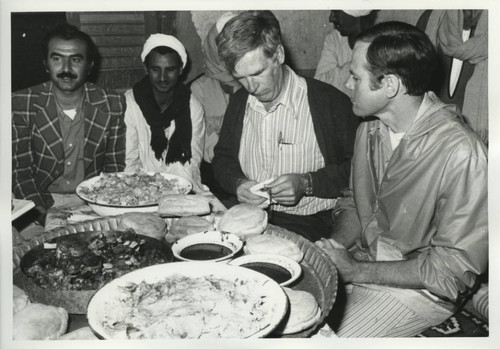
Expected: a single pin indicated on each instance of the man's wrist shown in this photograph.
(307, 183)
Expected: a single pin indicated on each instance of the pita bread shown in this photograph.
(267, 243)
(20, 299)
(303, 313)
(39, 321)
(244, 220)
(185, 226)
(180, 205)
(144, 223)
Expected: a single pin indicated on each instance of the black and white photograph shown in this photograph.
(261, 175)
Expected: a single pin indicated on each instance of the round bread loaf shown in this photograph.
(40, 321)
(266, 243)
(244, 220)
(303, 313)
(144, 223)
(186, 226)
(20, 299)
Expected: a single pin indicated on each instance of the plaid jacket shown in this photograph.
(37, 148)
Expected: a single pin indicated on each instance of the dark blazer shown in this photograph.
(334, 125)
(37, 147)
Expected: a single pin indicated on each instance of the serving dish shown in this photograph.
(191, 300)
(281, 269)
(88, 189)
(63, 272)
(211, 245)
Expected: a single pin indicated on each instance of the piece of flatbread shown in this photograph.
(39, 321)
(20, 299)
(267, 243)
(303, 313)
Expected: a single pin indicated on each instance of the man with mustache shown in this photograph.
(420, 203)
(165, 126)
(295, 133)
(67, 129)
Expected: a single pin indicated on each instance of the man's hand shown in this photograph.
(346, 265)
(246, 196)
(288, 189)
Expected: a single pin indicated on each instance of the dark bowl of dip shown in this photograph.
(212, 246)
(281, 269)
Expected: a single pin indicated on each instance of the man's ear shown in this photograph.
(280, 54)
(45, 66)
(391, 84)
(91, 67)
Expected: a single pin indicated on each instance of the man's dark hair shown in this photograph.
(401, 49)
(163, 50)
(246, 32)
(70, 32)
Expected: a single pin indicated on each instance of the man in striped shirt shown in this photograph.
(295, 132)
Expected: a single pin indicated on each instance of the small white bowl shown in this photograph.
(276, 260)
(217, 246)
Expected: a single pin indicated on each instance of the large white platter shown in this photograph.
(107, 305)
(105, 209)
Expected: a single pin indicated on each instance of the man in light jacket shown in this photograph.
(419, 180)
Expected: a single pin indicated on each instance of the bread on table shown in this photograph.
(181, 205)
(185, 226)
(20, 299)
(144, 223)
(303, 313)
(39, 321)
(244, 220)
(272, 244)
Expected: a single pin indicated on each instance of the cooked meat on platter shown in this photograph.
(130, 189)
(87, 261)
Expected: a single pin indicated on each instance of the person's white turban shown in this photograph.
(357, 13)
(156, 40)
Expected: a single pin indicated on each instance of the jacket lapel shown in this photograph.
(96, 120)
(47, 122)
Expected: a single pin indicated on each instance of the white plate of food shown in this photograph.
(280, 268)
(214, 246)
(116, 193)
(191, 300)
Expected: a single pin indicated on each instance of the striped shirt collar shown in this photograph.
(287, 99)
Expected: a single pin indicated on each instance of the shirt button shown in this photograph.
(70, 145)
(67, 182)
(68, 163)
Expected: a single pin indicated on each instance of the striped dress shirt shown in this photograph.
(282, 141)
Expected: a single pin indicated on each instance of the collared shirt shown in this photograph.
(72, 130)
(282, 141)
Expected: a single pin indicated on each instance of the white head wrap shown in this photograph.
(156, 40)
(357, 13)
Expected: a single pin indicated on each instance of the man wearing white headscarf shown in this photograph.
(213, 90)
(165, 126)
(333, 66)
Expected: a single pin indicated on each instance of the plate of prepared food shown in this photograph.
(116, 193)
(67, 270)
(188, 300)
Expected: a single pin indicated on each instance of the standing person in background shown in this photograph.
(461, 39)
(213, 90)
(67, 129)
(165, 126)
(419, 183)
(333, 66)
(295, 132)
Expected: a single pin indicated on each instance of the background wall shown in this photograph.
(120, 36)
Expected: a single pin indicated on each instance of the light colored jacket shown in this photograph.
(427, 199)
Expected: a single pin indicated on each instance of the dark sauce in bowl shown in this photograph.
(274, 271)
(204, 252)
